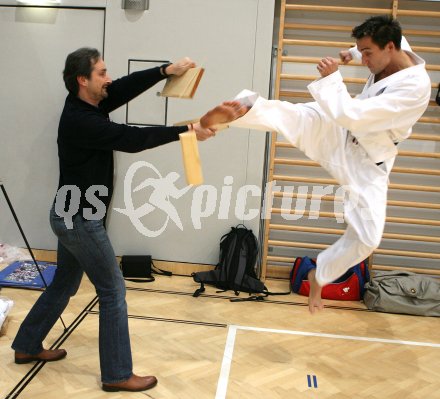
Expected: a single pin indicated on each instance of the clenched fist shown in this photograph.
(180, 67)
(327, 66)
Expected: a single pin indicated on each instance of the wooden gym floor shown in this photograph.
(209, 347)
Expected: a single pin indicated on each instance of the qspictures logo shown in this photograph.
(161, 192)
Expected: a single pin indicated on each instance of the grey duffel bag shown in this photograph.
(403, 292)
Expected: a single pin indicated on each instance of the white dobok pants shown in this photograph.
(309, 129)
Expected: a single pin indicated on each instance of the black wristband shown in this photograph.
(163, 68)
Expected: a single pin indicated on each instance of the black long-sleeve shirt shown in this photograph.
(87, 137)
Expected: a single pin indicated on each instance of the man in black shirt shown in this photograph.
(86, 141)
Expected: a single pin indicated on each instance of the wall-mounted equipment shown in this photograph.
(135, 4)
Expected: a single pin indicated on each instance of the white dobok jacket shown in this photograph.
(349, 137)
(384, 113)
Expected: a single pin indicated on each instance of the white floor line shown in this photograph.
(222, 384)
(223, 379)
(335, 336)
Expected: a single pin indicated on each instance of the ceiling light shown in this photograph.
(39, 2)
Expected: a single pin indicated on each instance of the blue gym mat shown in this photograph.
(24, 274)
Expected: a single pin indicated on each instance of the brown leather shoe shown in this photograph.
(47, 355)
(133, 384)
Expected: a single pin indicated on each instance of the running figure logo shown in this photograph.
(163, 189)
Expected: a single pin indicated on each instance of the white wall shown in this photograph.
(230, 39)
(33, 47)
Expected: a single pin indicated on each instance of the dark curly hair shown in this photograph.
(382, 29)
(79, 63)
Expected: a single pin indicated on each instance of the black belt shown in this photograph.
(356, 142)
(380, 163)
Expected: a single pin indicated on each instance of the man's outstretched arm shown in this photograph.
(125, 89)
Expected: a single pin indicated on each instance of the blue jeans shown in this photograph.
(84, 248)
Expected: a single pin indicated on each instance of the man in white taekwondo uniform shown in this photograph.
(354, 139)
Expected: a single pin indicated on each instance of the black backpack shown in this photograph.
(236, 268)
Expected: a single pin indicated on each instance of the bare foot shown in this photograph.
(224, 113)
(315, 292)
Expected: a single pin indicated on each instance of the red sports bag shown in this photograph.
(349, 287)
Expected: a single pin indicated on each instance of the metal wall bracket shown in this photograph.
(135, 4)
